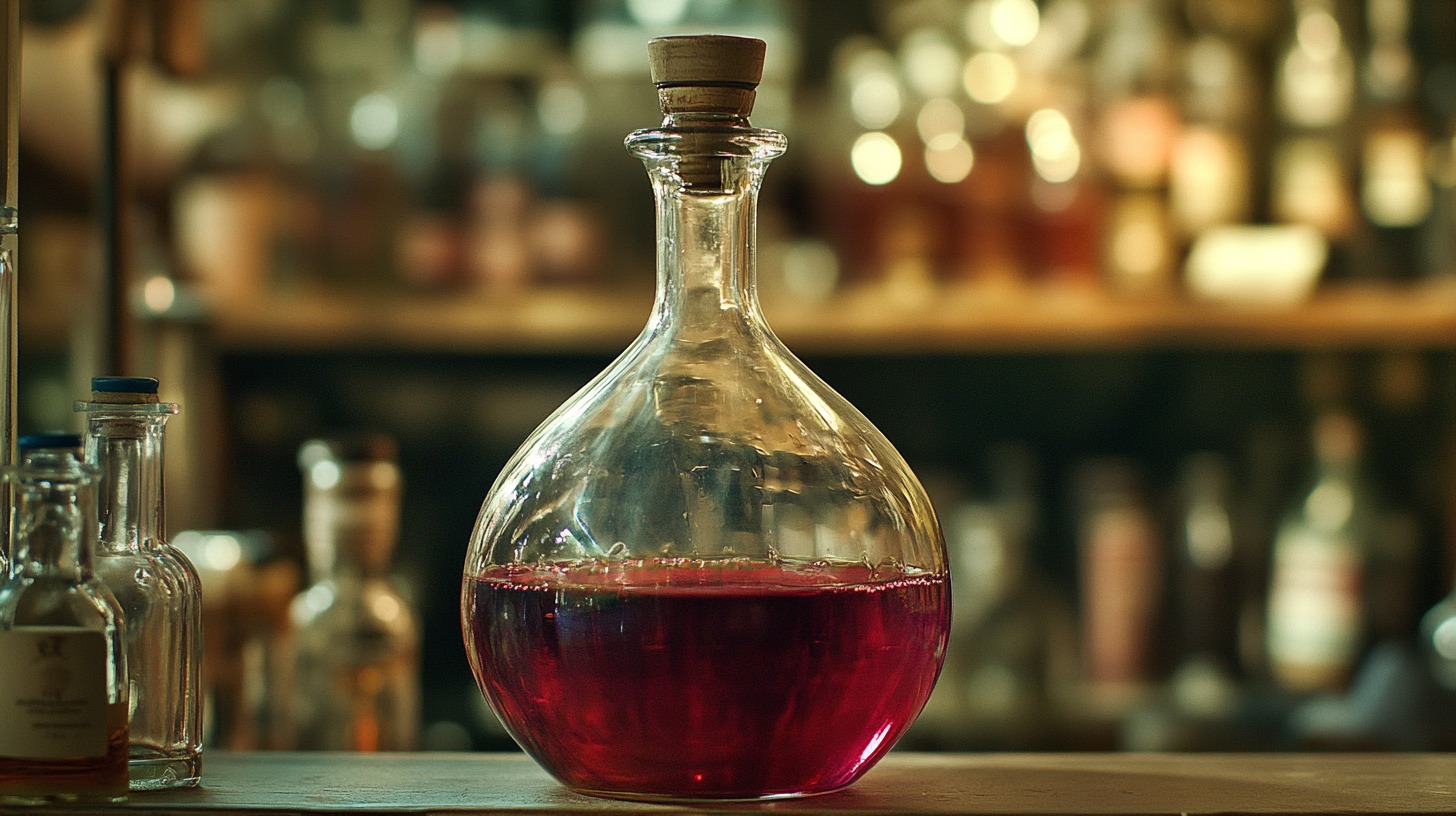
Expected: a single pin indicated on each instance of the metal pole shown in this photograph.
(9, 239)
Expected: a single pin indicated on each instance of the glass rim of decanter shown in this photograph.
(663, 142)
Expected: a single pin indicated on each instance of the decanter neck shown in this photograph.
(705, 174)
(705, 255)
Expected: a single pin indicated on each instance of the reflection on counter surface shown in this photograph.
(1156, 296)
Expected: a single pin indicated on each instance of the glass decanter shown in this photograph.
(158, 588)
(706, 575)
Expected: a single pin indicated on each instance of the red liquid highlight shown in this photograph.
(705, 680)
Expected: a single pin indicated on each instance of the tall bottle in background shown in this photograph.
(1315, 617)
(1011, 660)
(1210, 178)
(63, 686)
(1121, 582)
(1395, 190)
(356, 639)
(1139, 121)
(1203, 690)
(1310, 176)
(157, 587)
(1206, 570)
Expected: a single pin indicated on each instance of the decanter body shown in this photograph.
(157, 587)
(706, 576)
(356, 639)
(63, 686)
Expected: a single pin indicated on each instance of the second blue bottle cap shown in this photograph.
(51, 439)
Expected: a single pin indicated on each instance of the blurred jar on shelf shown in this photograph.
(355, 654)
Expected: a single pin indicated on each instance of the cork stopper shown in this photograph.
(706, 73)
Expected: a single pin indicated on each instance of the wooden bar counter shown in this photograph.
(903, 783)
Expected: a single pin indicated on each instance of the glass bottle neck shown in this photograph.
(53, 535)
(128, 451)
(706, 173)
(706, 267)
(350, 528)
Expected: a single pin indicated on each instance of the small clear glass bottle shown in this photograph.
(706, 576)
(63, 686)
(157, 587)
(356, 638)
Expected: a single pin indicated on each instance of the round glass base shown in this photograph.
(163, 772)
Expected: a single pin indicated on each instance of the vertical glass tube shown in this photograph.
(9, 237)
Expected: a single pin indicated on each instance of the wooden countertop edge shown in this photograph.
(903, 783)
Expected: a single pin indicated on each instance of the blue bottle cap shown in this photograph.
(124, 385)
(51, 439)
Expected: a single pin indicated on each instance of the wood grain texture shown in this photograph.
(904, 783)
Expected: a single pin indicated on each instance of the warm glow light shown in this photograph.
(1015, 21)
(1318, 34)
(989, 77)
(876, 158)
(930, 62)
(561, 108)
(222, 552)
(1054, 150)
(374, 122)
(159, 293)
(949, 158)
(1139, 249)
(939, 117)
(1396, 192)
(874, 99)
(1309, 186)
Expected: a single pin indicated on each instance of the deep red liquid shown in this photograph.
(705, 681)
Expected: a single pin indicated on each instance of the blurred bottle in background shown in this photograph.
(355, 637)
(1121, 562)
(1011, 661)
(1316, 613)
(1311, 181)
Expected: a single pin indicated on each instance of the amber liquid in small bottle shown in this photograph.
(95, 779)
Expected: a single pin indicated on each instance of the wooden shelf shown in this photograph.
(858, 321)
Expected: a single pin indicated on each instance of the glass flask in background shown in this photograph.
(156, 586)
(706, 576)
(356, 639)
(61, 649)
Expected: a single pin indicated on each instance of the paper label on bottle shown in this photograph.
(1314, 603)
(52, 692)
